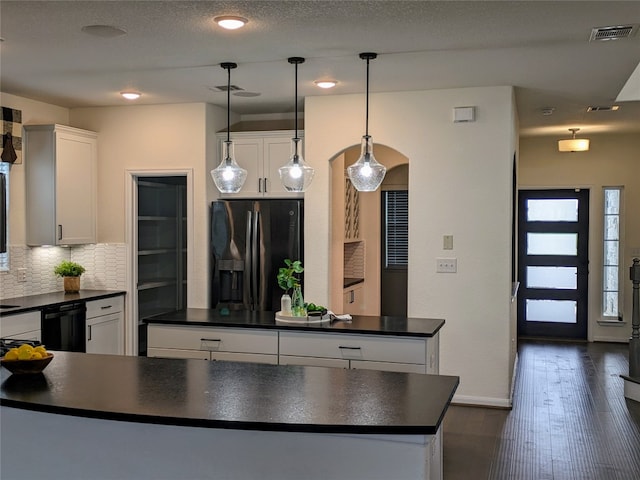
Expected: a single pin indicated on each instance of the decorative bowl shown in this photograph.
(27, 367)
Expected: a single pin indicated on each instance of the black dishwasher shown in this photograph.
(63, 327)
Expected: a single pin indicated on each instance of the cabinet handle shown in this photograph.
(59, 232)
(259, 185)
(349, 348)
(106, 307)
(352, 296)
(265, 185)
(210, 340)
(89, 339)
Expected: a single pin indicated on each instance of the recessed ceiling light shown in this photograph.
(105, 31)
(326, 83)
(245, 94)
(230, 22)
(131, 95)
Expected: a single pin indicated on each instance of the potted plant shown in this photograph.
(289, 280)
(70, 272)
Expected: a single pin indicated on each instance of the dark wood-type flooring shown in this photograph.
(569, 420)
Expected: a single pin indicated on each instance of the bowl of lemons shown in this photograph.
(26, 359)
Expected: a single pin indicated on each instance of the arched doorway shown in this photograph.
(356, 233)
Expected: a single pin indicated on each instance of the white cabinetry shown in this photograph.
(105, 326)
(213, 343)
(60, 183)
(373, 352)
(21, 326)
(261, 154)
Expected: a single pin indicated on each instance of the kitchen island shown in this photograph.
(104, 416)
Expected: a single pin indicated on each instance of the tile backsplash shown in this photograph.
(105, 265)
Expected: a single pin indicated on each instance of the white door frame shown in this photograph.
(131, 236)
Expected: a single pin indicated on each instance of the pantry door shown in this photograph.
(553, 263)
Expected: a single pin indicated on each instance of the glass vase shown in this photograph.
(297, 303)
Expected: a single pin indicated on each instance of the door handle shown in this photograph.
(59, 232)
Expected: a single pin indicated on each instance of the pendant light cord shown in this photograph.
(228, 104)
(366, 115)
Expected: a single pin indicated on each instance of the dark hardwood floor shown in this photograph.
(569, 420)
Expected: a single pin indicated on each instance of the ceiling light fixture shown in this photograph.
(573, 144)
(367, 174)
(229, 177)
(296, 175)
(326, 83)
(231, 22)
(104, 31)
(129, 95)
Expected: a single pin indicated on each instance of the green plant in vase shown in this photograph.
(70, 272)
(289, 280)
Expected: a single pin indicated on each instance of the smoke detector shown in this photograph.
(616, 32)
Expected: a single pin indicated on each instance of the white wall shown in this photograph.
(155, 137)
(460, 185)
(613, 160)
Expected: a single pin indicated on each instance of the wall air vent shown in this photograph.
(603, 108)
(617, 32)
(223, 88)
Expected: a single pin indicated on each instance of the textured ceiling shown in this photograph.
(172, 53)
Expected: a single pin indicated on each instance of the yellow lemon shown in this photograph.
(25, 347)
(24, 355)
(11, 354)
(41, 350)
(36, 355)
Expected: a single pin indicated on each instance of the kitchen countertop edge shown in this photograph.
(36, 302)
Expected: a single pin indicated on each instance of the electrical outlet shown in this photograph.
(446, 265)
(22, 274)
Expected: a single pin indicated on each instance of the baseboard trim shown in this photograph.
(632, 390)
(473, 401)
(610, 339)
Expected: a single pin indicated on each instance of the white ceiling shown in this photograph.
(173, 50)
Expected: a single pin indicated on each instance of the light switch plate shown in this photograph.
(447, 242)
(446, 265)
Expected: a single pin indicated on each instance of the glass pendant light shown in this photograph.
(296, 175)
(367, 174)
(228, 176)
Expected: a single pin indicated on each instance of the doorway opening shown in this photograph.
(553, 263)
(159, 249)
(357, 235)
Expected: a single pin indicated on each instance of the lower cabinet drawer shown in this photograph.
(354, 347)
(389, 367)
(245, 357)
(176, 353)
(213, 339)
(313, 361)
(103, 306)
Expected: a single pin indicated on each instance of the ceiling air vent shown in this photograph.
(612, 33)
(223, 88)
(603, 108)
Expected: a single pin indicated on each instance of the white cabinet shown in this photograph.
(21, 326)
(213, 343)
(60, 184)
(105, 326)
(373, 352)
(353, 300)
(261, 154)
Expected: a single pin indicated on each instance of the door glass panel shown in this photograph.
(611, 227)
(556, 311)
(610, 304)
(611, 201)
(552, 243)
(565, 210)
(552, 277)
(611, 278)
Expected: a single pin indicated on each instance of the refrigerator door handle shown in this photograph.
(255, 260)
(248, 271)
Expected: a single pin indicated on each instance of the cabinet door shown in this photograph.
(23, 326)
(75, 189)
(249, 155)
(103, 334)
(388, 367)
(245, 357)
(177, 353)
(277, 152)
(353, 302)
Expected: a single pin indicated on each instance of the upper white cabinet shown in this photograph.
(61, 185)
(261, 154)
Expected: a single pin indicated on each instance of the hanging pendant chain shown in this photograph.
(228, 104)
(367, 103)
(296, 99)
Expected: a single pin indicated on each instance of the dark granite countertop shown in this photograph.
(398, 326)
(242, 396)
(36, 302)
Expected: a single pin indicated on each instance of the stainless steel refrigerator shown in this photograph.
(249, 241)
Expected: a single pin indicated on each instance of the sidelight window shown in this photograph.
(611, 253)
